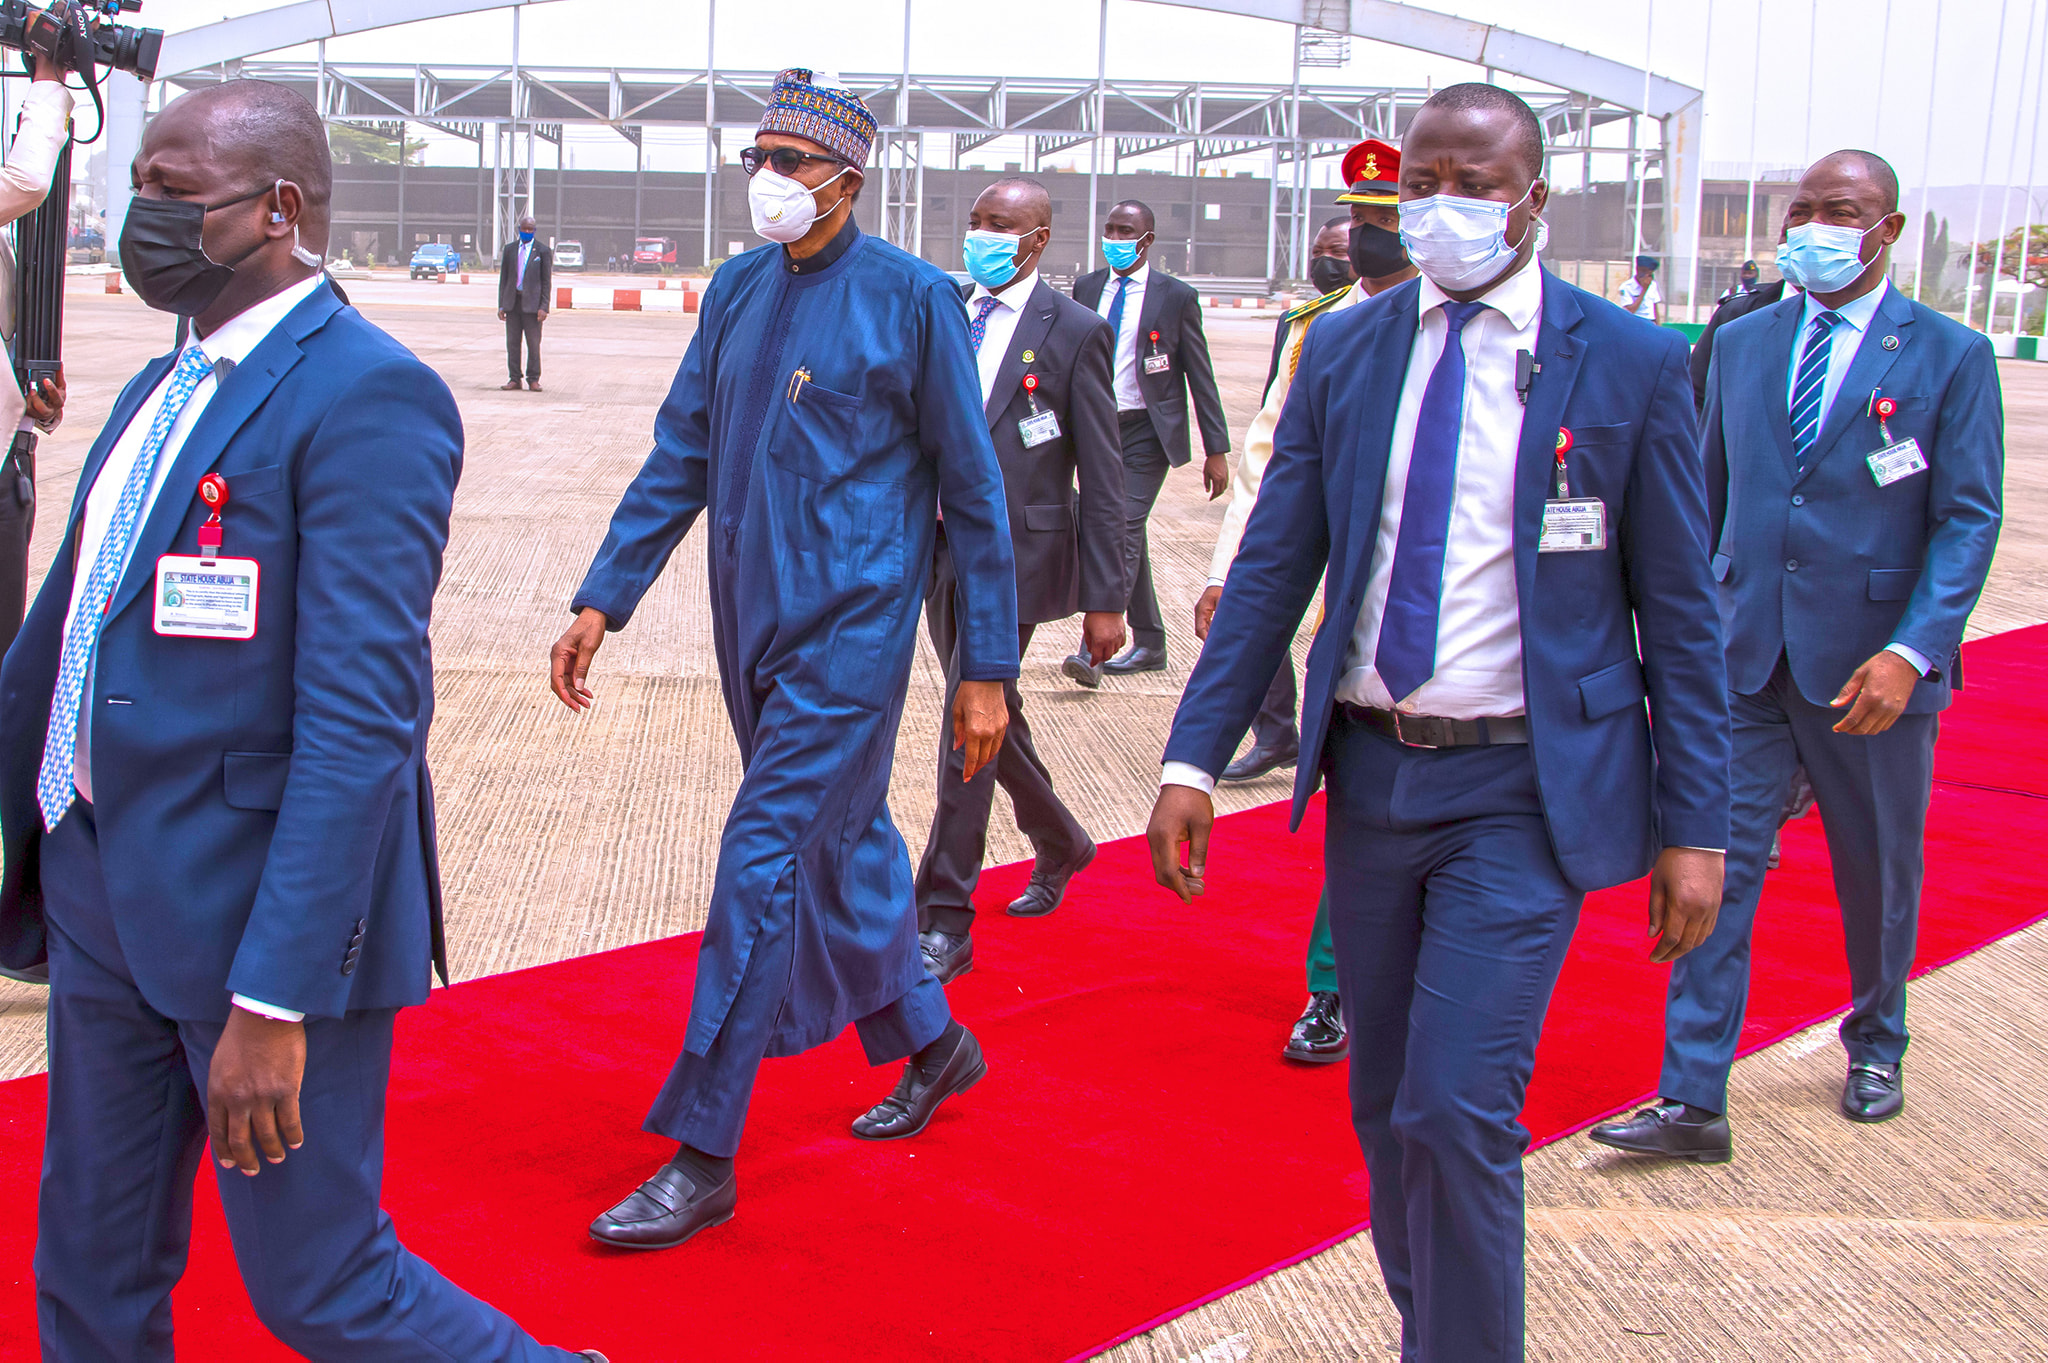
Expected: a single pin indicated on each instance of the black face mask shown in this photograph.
(163, 260)
(1327, 274)
(1376, 252)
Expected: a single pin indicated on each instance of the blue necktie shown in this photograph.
(977, 330)
(1808, 386)
(54, 786)
(1406, 654)
(1116, 312)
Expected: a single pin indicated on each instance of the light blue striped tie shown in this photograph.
(54, 788)
(1812, 381)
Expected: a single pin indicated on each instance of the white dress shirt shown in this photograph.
(234, 341)
(1129, 398)
(1479, 625)
(1850, 333)
(1002, 325)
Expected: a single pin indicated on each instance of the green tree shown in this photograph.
(372, 144)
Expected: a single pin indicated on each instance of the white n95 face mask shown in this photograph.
(783, 209)
(1459, 243)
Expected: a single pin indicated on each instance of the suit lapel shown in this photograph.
(1385, 367)
(1781, 333)
(1156, 286)
(117, 422)
(1032, 327)
(238, 398)
(1559, 355)
(1893, 318)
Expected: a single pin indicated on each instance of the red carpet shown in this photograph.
(1183, 1156)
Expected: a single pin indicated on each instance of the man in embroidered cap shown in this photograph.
(827, 412)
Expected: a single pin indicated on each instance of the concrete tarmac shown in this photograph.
(1925, 1238)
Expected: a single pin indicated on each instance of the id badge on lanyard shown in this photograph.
(207, 596)
(1043, 424)
(1571, 525)
(1156, 360)
(1898, 458)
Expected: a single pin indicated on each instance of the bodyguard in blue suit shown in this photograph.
(1855, 456)
(218, 823)
(1476, 697)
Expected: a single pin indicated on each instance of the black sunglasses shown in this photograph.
(784, 160)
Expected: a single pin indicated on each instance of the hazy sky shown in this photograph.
(1871, 63)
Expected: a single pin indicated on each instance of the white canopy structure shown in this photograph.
(1295, 124)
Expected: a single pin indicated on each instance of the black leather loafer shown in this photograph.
(1136, 659)
(666, 1210)
(909, 1107)
(1318, 1037)
(946, 955)
(1662, 1129)
(1046, 888)
(1873, 1092)
(1259, 761)
(1082, 671)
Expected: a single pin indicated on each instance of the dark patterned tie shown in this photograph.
(1811, 382)
(977, 330)
(1406, 654)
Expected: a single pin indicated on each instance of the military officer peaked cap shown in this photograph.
(1373, 170)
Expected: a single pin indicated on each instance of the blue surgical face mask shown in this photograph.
(1121, 255)
(1460, 243)
(992, 256)
(1821, 257)
(526, 236)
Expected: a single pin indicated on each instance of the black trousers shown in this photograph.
(953, 855)
(17, 525)
(1145, 470)
(518, 323)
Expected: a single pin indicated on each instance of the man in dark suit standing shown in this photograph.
(526, 281)
(1752, 297)
(1855, 455)
(1160, 362)
(218, 820)
(1045, 385)
(1476, 696)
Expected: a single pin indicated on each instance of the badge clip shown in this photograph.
(1031, 392)
(1883, 408)
(213, 492)
(1564, 446)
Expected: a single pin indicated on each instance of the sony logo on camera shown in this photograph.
(79, 35)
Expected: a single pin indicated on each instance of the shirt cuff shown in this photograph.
(1717, 851)
(1187, 774)
(267, 1010)
(1913, 656)
(1215, 581)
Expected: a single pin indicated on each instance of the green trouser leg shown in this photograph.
(1322, 956)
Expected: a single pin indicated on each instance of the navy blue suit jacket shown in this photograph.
(1613, 787)
(1822, 566)
(264, 813)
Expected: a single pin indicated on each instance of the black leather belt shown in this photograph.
(1431, 731)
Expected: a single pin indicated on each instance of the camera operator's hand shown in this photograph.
(46, 69)
(45, 401)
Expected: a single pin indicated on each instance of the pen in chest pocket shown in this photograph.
(797, 381)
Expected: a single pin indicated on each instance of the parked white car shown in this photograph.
(568, 255)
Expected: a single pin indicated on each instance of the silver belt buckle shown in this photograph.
(1400, 733)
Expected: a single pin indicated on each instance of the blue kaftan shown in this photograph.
(823, 417)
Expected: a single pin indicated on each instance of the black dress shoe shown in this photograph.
(909, 1107)
(947, 955)
(666, 1210)
(1081, 670)
(1047, 888)
(1136, 659)
(1259, 761)
(1873, 1092)
(1319, 1037)
(1667, 1129)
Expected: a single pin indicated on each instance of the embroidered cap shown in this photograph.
(835, 119)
